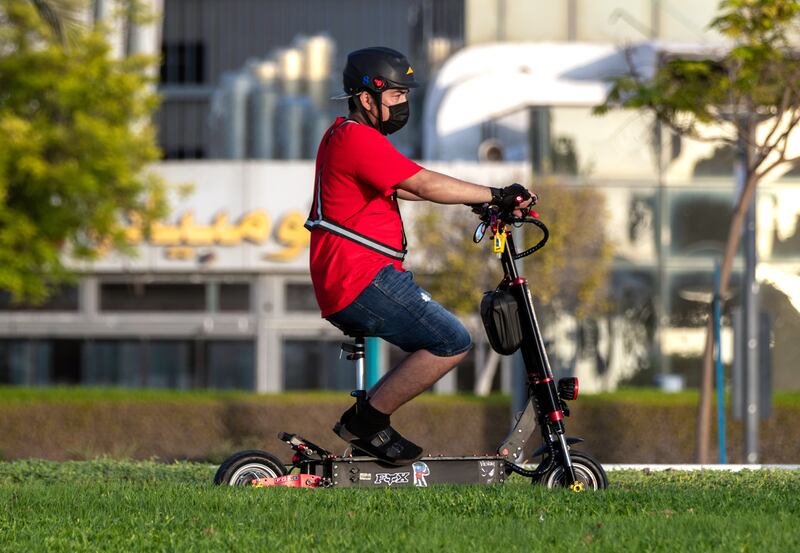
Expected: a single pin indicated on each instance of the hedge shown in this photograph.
(634, 426)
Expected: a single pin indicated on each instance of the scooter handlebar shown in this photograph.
(540, 244)
(487, 212)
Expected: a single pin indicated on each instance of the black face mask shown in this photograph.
(398, 117)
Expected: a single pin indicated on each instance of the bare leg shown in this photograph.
(415, 374)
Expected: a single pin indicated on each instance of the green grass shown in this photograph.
(124, 506)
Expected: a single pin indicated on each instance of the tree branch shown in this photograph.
(778, 117)
(780, 145)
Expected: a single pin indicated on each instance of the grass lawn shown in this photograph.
(126, 506)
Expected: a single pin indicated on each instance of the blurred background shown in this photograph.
(219, 295)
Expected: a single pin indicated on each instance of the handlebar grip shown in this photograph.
(539, 245)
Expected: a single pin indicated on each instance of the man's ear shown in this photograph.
(366, 100)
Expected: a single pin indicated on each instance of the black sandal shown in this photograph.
(387, 445)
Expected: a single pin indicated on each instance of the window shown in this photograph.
(300, 297)
(169, 364)
(314, 364)
(573, 141)
(135, 296)
(689, 296)
(183, 63)
(699, 222)
(41, 362)
(231, 365)
(24, 362)
(115, 363)
(234, 297)
(63, 299)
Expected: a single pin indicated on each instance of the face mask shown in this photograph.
(398, 117)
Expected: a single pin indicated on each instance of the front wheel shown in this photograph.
(589, 473)
(241, 469)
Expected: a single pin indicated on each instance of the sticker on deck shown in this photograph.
(289, 481)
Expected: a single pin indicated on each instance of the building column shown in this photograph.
(261, 307)
(447, 384)
(89, 297)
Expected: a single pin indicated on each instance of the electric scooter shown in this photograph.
(560, 466)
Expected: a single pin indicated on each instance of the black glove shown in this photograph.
(509, 197)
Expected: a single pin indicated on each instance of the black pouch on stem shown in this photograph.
(500, 314)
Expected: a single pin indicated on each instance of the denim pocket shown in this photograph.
(393, 282)
(357, 318)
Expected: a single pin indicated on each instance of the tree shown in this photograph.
(746, 95)
(568, 274)
(75, 137)
(61, 16)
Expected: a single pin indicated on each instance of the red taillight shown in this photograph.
(568, 388)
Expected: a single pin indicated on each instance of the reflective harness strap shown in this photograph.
(317, 220)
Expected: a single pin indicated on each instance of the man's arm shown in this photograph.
(406, 195)
(439, 188)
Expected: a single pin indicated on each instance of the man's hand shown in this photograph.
(513, 198)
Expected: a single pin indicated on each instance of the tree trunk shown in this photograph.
(734, 237)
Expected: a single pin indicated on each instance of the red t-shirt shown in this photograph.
(360, 170)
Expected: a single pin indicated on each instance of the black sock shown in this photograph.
(364, 421)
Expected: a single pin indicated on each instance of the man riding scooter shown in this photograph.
(358, 245)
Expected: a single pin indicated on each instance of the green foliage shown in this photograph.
(77, 424)
(75, 137)
(88, 395)
(106, 506)
(755, 77)
(457, 271)
(63, 17)
(569, 273)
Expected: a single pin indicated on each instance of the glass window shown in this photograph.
(183, 63)
(231, 364)
(300, 297)
(133, 296)
(175, 364)
(689, 296)
(314, 364)
(115, 363)
(574, 141)
(62, 299)
(778, 220)
(699, 222)
(168, 364)
(631, 222)
(234, 297)
(718, 163)
(65, 361)
(24, 362)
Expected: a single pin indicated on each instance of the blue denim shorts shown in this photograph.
(394, 308)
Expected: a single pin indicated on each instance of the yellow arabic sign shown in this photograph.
(254, 227)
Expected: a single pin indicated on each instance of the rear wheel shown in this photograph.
(589, 474)
(241, 469)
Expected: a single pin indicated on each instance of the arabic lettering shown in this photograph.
(292, 234)
(254, 227)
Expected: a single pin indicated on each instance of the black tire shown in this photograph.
(240, 469)
(588, 471)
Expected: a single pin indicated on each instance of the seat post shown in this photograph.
(361, 368)
(357, 352)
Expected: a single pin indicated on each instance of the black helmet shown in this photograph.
(376, 69)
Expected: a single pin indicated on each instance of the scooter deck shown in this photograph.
(367, 472)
